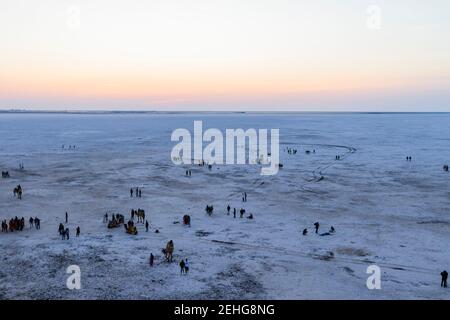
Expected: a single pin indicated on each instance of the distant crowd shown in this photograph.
(16, 224)
(137, 192)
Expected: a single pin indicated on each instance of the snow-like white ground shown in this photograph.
(386, 211)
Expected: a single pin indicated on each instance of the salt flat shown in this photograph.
(386, 210)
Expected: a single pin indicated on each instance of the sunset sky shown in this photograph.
(320, 55)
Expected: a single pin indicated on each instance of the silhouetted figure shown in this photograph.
(234, 212)
(131, 193)
(78, 231)
(67, 217)
(305, 232)
(152, 258)
(61, 229)
(444, 275)
(228, 210)
(146, 226)
(182, 265)
(317, 225)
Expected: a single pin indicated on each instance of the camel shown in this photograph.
(140, 215)
(168, 251)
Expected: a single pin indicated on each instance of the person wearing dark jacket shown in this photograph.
(182, 265)
(316, 225)
(61, 228)
(444, 275)
(152, 258)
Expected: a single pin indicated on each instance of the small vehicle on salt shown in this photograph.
(116, 222)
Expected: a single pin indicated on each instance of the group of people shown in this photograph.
(18, 192)
(291, 151)
(241, 212)
(152, 257)
(16, 224)
(137, 192)
(115, 217)
(209, 209)
(408, 158)
(65, 233)
(188, 173)
(244, 197)
(184, 263)
(184, 266)
(338, 157)
(36, 222)
(316, 227)
(168, 254)
(294, 151)
(5, 174)
(63, 147)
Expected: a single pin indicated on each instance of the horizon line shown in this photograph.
(97, 111)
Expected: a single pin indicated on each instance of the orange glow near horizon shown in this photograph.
(223, 54)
